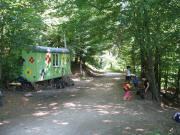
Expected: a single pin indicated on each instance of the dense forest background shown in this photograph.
(108, 34)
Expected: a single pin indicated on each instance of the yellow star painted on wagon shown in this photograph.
(63, 58)
(28, 72)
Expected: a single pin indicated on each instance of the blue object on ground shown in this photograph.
(176, 117)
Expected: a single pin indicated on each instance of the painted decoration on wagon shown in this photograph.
(28, 72)
(48, 58)
(31, 60)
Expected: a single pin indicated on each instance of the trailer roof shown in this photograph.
(49, 49)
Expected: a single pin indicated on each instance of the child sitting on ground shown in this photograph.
(126, 88)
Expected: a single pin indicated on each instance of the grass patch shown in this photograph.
(115, 70)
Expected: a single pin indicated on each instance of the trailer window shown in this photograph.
(55, 60)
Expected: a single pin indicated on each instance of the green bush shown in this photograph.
(11, 65)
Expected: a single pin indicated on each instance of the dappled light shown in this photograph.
(40, 91)
(69, 105)
(82, 87)
(160, 111)
(135, 113)
(60, 123)
(107, 121)
(102, 106)
(128, 128)
(55, 108)
(36, 128)
(116, 78)
(108, 85)
(94, 103)
(103, 112)
(53, 104)
(115, 112)
(110, 109)
(44, 110)
(41, 113)
(88, 80)
(140, 130)
(4, 122)
(76, 79)
(25, 99)
(98, 84)
(41, 107)
(73, 95)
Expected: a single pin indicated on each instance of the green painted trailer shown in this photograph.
(44, 63)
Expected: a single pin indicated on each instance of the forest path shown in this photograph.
(94, 106)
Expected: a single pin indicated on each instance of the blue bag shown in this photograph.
(176, 117)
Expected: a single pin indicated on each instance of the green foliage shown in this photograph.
(89, 29)
(11, 66)
(151, 29)
(20, 24)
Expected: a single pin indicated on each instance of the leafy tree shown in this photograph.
(20, 24)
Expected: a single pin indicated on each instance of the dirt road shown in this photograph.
(94, 106)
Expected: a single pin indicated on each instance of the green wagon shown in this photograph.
(43, 63)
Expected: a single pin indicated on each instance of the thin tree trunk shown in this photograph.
(178, 83)
(133, 58)
(119, 40)
(143, 64)
(160, 76)
(178, 79)
(166, 80)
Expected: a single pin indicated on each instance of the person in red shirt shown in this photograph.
(126, 88)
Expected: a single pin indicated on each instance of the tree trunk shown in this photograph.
(143, 64)
(148, 52)
(157, 68)
(160, 74)
(119, 40)
(133, 58)
(152, 80)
